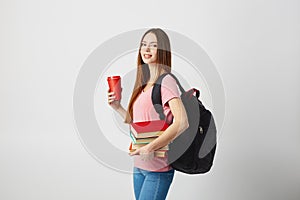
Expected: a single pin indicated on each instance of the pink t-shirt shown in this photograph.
(143, 110)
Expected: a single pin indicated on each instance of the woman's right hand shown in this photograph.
(115, 104)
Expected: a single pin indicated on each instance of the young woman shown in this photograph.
(153, 175)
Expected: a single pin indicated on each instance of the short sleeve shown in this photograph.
(169, 89)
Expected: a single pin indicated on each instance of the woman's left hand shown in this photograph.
(144, 153)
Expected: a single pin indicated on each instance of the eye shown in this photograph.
(153, 45)
(143, 44)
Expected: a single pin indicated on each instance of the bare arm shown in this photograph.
(122, 112)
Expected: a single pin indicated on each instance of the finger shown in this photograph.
(111, 98)
(132, 153)
(110, 93)
(110, 101)
(136, 152)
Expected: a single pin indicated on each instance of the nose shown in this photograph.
(147, 48)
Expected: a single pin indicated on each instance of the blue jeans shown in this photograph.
(151, 185)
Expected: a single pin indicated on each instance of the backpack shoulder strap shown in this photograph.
(156, 94)
(156, 97)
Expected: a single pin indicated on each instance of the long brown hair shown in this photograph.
(143, 73)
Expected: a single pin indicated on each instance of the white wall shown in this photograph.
(255, 46)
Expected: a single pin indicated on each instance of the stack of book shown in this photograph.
(142, 133)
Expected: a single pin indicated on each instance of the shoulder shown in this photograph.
(168, 80)
(169, 88)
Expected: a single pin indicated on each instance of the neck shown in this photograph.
(153, 71)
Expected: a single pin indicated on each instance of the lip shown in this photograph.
(147, 55)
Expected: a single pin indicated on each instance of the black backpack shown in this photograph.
(193, 151)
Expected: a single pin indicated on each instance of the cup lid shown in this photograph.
(113, 77)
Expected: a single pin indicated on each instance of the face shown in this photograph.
(149, 48)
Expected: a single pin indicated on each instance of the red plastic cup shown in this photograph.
(114, 83)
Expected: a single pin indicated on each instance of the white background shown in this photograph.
(255, 46)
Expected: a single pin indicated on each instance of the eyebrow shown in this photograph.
(150, 42)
